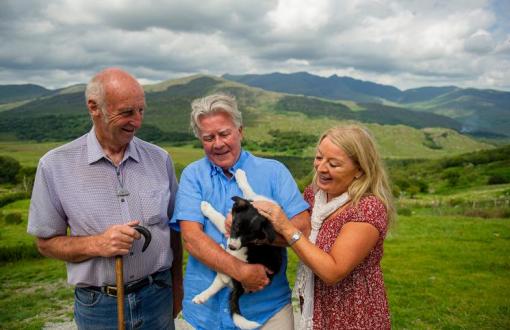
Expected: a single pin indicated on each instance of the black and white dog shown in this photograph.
(249, 228)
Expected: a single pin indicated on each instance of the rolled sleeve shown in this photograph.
(46, 217)
(189, 197)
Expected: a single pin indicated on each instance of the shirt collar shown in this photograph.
(216, 170)
(96, 152)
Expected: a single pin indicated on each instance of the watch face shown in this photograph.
(295, 237)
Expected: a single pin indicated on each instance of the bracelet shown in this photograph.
(295, 237)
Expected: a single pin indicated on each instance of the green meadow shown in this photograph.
(446, 259)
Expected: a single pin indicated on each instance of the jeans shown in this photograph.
(147, 308)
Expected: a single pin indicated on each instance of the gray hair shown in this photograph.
(213, 104)
(95, 90)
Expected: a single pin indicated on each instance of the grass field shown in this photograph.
(441, 271)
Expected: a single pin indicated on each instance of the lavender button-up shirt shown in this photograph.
(76, 193)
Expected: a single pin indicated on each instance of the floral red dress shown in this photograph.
(358, 301)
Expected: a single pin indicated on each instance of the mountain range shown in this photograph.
(401, 121)
(480, 112)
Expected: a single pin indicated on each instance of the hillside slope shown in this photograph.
(14, 93)
(62, 116)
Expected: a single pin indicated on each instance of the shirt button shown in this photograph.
(122, 200)
(131, 253)
(226, 310)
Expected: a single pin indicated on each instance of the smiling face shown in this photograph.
(221, 139)
(122, 114)
(335, 171)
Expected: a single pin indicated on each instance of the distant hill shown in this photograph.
(334, 87)
(424, 94)
(479, 112)
(270, 119)
(13, 93)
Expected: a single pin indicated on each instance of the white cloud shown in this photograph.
(403, 43)
(297, 16)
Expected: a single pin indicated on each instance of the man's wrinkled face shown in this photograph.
(122, 113)
(221, 139)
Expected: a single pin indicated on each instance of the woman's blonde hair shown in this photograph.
(360, 147)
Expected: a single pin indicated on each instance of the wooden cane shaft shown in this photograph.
(120, 292)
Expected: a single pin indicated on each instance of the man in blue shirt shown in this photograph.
(218, 124)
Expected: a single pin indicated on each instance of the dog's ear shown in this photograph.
(240, 202)
(269, 231)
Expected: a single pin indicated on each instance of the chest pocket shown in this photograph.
(154, 205)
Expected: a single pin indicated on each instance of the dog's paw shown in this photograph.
(199, 299)
(206, 208)
(243, 323)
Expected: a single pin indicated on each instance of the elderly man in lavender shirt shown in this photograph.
(88, 195)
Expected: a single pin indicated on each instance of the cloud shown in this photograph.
(404, 43)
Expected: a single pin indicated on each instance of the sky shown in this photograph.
(404, 43)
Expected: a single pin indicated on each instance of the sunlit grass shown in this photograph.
(448, 272)
(32, 293)
(440, 272)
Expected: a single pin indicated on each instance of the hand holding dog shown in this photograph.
(228, 224)
(253, 277)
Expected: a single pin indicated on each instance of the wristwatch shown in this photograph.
(295, 237)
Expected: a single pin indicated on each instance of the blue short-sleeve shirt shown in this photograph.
(204, 181)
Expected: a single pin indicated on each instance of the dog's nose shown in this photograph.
(234, 244)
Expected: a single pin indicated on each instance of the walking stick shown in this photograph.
(119, 274)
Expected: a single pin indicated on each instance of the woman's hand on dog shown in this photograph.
(275, 214)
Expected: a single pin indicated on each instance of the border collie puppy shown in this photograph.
(249, 228)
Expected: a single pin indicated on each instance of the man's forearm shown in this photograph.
(68, 248)
(213, 256)
(302, 222)
(208, 252)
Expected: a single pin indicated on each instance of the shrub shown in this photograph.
(456, 201)
(18, 252)
(497, 179)
(451, 176)
(488, 213)
(395, 190)
(404, 211)
(12, 197)
(9, 167)
(413, 191)
(14, 218)
(25, 177)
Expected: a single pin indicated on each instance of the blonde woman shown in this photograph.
(340, 282)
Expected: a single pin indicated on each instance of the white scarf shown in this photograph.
(305, 278)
